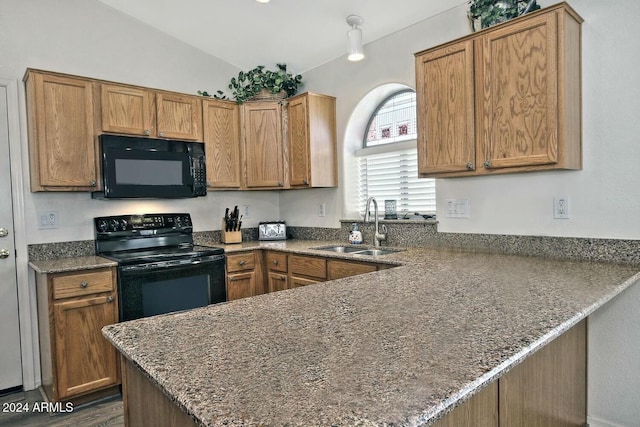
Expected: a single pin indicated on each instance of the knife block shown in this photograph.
(230, 236)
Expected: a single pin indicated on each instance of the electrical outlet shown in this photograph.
(48, 220)
(246, 211)
(561, 207)
(322, 209)
(457, 208)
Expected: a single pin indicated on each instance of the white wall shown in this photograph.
(88, 38)
(614, 362)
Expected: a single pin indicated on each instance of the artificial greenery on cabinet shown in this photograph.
(485, 13)
(261, 83)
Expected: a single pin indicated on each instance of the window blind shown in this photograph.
(393, 175)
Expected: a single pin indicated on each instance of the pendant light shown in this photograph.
(356, 52)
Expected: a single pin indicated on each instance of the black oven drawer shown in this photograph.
(169, 286)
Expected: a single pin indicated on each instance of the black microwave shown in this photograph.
(136, 167)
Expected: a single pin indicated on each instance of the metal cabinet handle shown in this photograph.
(305, 182)
(84, 285)
(231, 279)
(283, 278)
(4, 253)
(242, 262)
(275, 262)
(280, 184)
(110, 298)
(469, 166)
(161, 134)
(487, 163)
(4, 232)
(93, 183)
(147, 132)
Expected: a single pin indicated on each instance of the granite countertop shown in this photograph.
(61, 265)
(400, 346)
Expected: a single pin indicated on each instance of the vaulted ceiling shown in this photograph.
(301, 33)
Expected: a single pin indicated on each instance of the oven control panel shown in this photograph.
(142, 223)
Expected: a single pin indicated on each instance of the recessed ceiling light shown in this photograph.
(263, 1)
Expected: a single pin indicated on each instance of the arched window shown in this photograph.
(388, 159)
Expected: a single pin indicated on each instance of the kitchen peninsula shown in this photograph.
(400, 346)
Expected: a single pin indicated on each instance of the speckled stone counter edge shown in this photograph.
(415, 234)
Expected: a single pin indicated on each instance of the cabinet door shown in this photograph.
(299, 156)
(241, 285)
(518, 117)
(179, 116)
(222, 143)
(277, 282)
(61, 133)
(262, 142)
(126, 110)
(445, 109)
(85, 360)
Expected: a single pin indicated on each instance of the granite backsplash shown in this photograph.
(407, 233)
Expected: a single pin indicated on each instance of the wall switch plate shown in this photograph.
(48, 220)
(246, 211)
(322, 209)
(457, 208)
(561, 207)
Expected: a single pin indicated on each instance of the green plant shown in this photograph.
(248, 84)
(491, 12)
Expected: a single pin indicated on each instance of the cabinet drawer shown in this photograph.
(277, 261)
(338, 269)
(77, 284)
(240, 262)
(308, 266)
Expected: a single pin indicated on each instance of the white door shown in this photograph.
(10, 363)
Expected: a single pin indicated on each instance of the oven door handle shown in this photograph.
(163, 265)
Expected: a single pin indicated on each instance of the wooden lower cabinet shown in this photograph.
(244, 275)
(76, 360)
(547, 389)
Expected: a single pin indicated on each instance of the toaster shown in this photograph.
(272, 230)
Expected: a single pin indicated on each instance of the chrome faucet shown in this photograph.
(377, 236)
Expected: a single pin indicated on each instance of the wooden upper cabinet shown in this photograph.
(445, 90)
(179, 116)
(222, 143)
(262, 145)
(127, 110)
(132, 110)
(312, 141)
(505, 99)
(62, 145)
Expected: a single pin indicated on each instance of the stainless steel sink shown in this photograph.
(375, 252)
(357, 251)
(340, 249)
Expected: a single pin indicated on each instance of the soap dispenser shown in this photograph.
(355, 237)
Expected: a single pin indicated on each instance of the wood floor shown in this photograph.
(105, 413)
